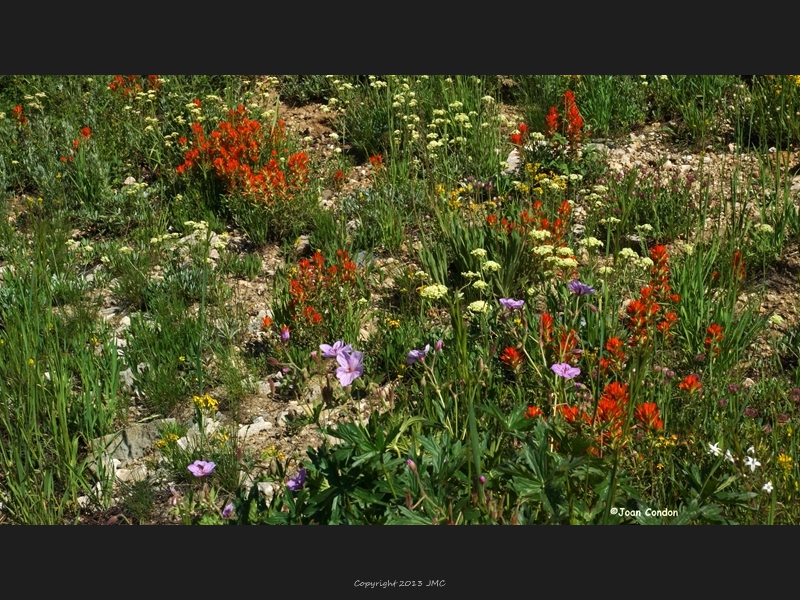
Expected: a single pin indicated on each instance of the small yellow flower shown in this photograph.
(31, 362)
(169, 438)
(785, 462)
(206, 403)
(182, 358)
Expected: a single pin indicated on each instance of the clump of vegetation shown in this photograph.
(515, 332)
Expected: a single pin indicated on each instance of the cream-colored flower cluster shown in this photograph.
(478, 307)
(591, 242)
(434, 292)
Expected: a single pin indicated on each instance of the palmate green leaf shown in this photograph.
(409, 517)
(364, 457)
(527, 486)
(369, 498)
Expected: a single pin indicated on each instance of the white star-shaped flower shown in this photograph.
(751, 450)
(714, 449)
(767, 487)
(750, 461)
(729, 456)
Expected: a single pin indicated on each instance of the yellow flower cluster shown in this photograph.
(785, 462)
(168, 439)
(663, 442)
(272, 452)
(206, 403)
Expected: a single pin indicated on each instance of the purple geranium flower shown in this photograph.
(298, 481)
(580, 289)
(201, 468)
(227, 512)
(417, 355)
(565, 371)
(351, 367)
(438, 347)
(285, 335)
(512, 304)
(333, 351)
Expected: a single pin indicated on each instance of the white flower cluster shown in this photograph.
(591, 242)
(164, 237)
(540, 234)
(478, 307)
(433, 292)
(645, 262)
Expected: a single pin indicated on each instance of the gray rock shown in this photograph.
(131, 443)
(247, 431)
(137, 473)
(312, 393)
(267, 490)
(303, 245)
(108, 313)
(126, 378)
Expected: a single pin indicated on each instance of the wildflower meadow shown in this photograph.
(399, 299)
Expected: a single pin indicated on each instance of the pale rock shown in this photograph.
(137, 473)
(108, 313)
(267, 490)
(126, 378)
(247, 431)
